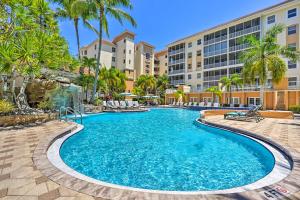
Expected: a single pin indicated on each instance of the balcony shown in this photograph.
(213, 53)
(294, 85)
(213, 78)
(220, 64)
(239, 47)
(215, 40)
(235, 62)
(173, 62)
(177, 82)
(245, 31)
(180, 71)
(176, 51)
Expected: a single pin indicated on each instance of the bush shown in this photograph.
(295, 109)
(98, 102)
(45, 105)
(6, 107)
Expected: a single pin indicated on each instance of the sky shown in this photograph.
(160, 22)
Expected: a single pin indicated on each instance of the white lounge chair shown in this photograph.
(136, 104)
(201, 104)
(111, 105)
(117, 104)
(209, 104)
(190, 103)
(216, 105)
(129, 104)
(104, 104)
(178, 104)
(123, 105)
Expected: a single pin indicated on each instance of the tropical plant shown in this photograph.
(229, 82)
(162, 83)
(73, 10)
(91, 63)
(147, 83)
(6, 107)
(104, 9)
(86, 82)
(179, 95)
(46, 105)
(264, 57)
(295, 109)
(215, 91)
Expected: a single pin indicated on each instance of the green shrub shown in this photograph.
(98, 102)
(295, 108)
(6, 107)
(45, 105)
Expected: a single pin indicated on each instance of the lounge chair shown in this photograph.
(195, 104)
(185, 104)
(104, 104)
(177, 104)
(216, 105)
(136, 104)
(123, 105)
(209, 104)
(252, 113)
(117, 104)
(110, 104)
(129, 104)
(190, 104)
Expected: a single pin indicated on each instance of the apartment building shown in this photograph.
(202, 59)
(132, 59)
(161, 63)
(144, 59)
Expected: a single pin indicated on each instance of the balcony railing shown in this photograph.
(220, 64)
(213, 78)
(239, 47)
(235, 62)
(173, 62)
(215, 40)
(176, 51)
(213, 53)
(180, 71)
(176, 82)
(244, 32)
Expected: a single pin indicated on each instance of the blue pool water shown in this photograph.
(164, 149)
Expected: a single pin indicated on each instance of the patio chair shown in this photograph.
(177, 104)
(185, 104)
(136, 104)
(129, 104)
(201, 104)
(252, 113)
(190, 104)
(216, 105)
(111, 105)
(104, 105)
(117, 104)
(209, 104)
(195, 104)
(123, 105)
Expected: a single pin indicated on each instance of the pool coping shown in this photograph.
(105, 191)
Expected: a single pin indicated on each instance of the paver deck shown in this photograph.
(21, 179)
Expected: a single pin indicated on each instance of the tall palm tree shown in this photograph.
(265, 57)
(103, 9)
(147, 83)
(229, 82)
(215, 91)
(73, 10)
(179, 95)
(91, 63)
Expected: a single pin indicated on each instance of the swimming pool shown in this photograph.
(164, 150)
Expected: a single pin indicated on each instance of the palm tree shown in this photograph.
(73, 10)
(215, 92)
(103, 9)
(147, 83)
(162, 83)
(179, 95)
(229, 82)
(265, 57)
(90, 63)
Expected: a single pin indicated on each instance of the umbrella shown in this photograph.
(125, 94)
(132, 95)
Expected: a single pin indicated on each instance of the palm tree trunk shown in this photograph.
(24, 85)
(77, 36)
(101, 12)
(230, 96)
(13, 85)
(261, 95)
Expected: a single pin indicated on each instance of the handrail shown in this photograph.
(69, 110)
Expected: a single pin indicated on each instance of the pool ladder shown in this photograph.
(64, 111)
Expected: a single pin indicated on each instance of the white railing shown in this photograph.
(65, 111)
(235, 62)
(176, 51)
(215, 40)
(213, 53)
(213, 78)
(239, 47)
(173, 62)
(244, 32)
(176, 82)
(177, 71)
(220, 64)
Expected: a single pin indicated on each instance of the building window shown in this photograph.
(147, 55)
(198, 87)
(292, 13)
(190, 76)
(85, 52)
(129, 51)
(235, 100)
(166, 64)
(271, 19)
(292, 30)
(124, 61)
(198, 64)
(113, 49)
(253, 101)
(292, 81)
(189, 66)
(95, 56)
(190, 45)
(124, 40)
(190, 55)
(129, 61)
(95, 46)
(292, 65)
(199, 53)
(199, 42)
(292, 46)
(124, 51)
(198, 75)
(113, 59)
(166, 56)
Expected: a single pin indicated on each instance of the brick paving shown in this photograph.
(25, 173)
